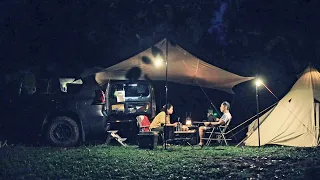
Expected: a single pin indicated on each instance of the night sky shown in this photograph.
(273, 39)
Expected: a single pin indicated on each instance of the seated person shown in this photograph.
(162, 118)
(224, 108)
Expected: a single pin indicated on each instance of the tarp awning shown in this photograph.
(183, 68)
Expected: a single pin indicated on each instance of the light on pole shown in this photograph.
(258, 83)
(165, 122)
(158, 62)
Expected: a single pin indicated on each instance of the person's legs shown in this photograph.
(202, 130)
(160, 130)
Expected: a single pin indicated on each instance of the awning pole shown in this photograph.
(164, 133)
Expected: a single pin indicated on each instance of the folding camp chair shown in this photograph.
(146, 137)
(143, 123)
(218, 135)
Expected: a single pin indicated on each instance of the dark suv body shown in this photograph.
(67, 111)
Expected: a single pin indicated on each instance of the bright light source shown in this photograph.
(188, 122)
(259, 82)
(158, 61)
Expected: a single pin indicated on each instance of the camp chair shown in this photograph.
(145, 133)
(218, 135)
(143, 123)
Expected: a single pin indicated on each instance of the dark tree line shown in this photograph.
(268, 37)
(272, 38)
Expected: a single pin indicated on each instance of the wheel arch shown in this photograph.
(73, 115)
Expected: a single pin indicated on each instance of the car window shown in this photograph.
(119, 92)
(67, 83)
(47, 86)
(73, 88)
(44, 86)
(136, 90)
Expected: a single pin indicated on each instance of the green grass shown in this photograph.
(114, 162)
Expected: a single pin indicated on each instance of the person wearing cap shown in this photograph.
(224, 108)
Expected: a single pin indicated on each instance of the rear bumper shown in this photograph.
(94, 127)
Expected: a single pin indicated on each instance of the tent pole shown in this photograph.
(258, 116)
(165, 139)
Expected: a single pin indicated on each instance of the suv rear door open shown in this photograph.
(130, 100)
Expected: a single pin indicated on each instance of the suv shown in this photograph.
(68, 110)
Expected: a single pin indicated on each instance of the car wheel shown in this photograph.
(63, 132)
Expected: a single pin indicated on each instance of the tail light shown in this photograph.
(100, 97)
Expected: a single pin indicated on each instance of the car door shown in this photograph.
(26, 110)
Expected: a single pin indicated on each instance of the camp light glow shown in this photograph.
(258, 82)
(188, 122)
(158, 61)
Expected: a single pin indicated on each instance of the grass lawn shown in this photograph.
(115, 162)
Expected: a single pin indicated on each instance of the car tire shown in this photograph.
(63, 132)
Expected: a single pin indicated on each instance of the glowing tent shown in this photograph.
(294, 121)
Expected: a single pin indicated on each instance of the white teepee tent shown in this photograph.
(294, 121)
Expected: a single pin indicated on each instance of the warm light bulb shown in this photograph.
(258, 82)
(158, 61)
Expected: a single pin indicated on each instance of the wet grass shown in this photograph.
(114, 162)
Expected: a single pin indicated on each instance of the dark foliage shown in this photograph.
(273, 39)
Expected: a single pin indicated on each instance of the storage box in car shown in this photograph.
(148, 140)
